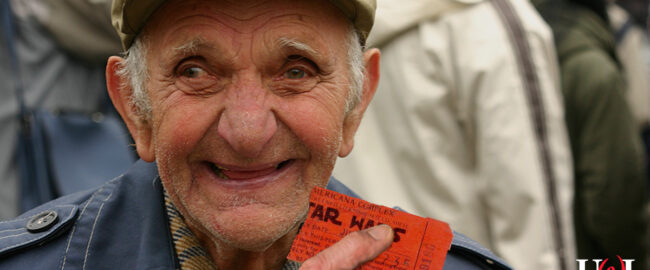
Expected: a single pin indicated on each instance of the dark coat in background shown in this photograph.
(608, 156)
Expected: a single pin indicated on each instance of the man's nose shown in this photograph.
(247, 124)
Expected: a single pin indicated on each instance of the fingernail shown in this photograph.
(380, 232)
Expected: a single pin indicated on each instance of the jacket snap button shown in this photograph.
(42, 221)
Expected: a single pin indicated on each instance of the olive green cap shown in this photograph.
(130, 16)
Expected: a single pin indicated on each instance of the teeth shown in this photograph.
(282, 164)
(219, 171)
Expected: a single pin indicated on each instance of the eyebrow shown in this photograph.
(197, 43)
(285, 42)
(191, 46)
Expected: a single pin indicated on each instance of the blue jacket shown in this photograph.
(123, 225)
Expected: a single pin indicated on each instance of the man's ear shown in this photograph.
(353, 118)
(120, 92)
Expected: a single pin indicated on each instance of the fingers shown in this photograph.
(353, 250)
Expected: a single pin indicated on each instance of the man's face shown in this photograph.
(248, 115)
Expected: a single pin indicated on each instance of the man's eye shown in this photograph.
(294, 73)
(193, 72)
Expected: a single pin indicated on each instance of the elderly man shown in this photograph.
(244, 107)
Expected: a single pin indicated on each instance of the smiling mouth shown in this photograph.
(246, 174)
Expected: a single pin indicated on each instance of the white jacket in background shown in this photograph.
(630, 51)
(456, 132)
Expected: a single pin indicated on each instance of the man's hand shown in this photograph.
(353, 250)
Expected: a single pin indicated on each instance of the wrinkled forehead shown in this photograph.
(317, 19)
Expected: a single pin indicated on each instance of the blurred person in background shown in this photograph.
(467, 126)
(610, 181)
(62, 46)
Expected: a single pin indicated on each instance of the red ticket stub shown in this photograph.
(419, 243)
